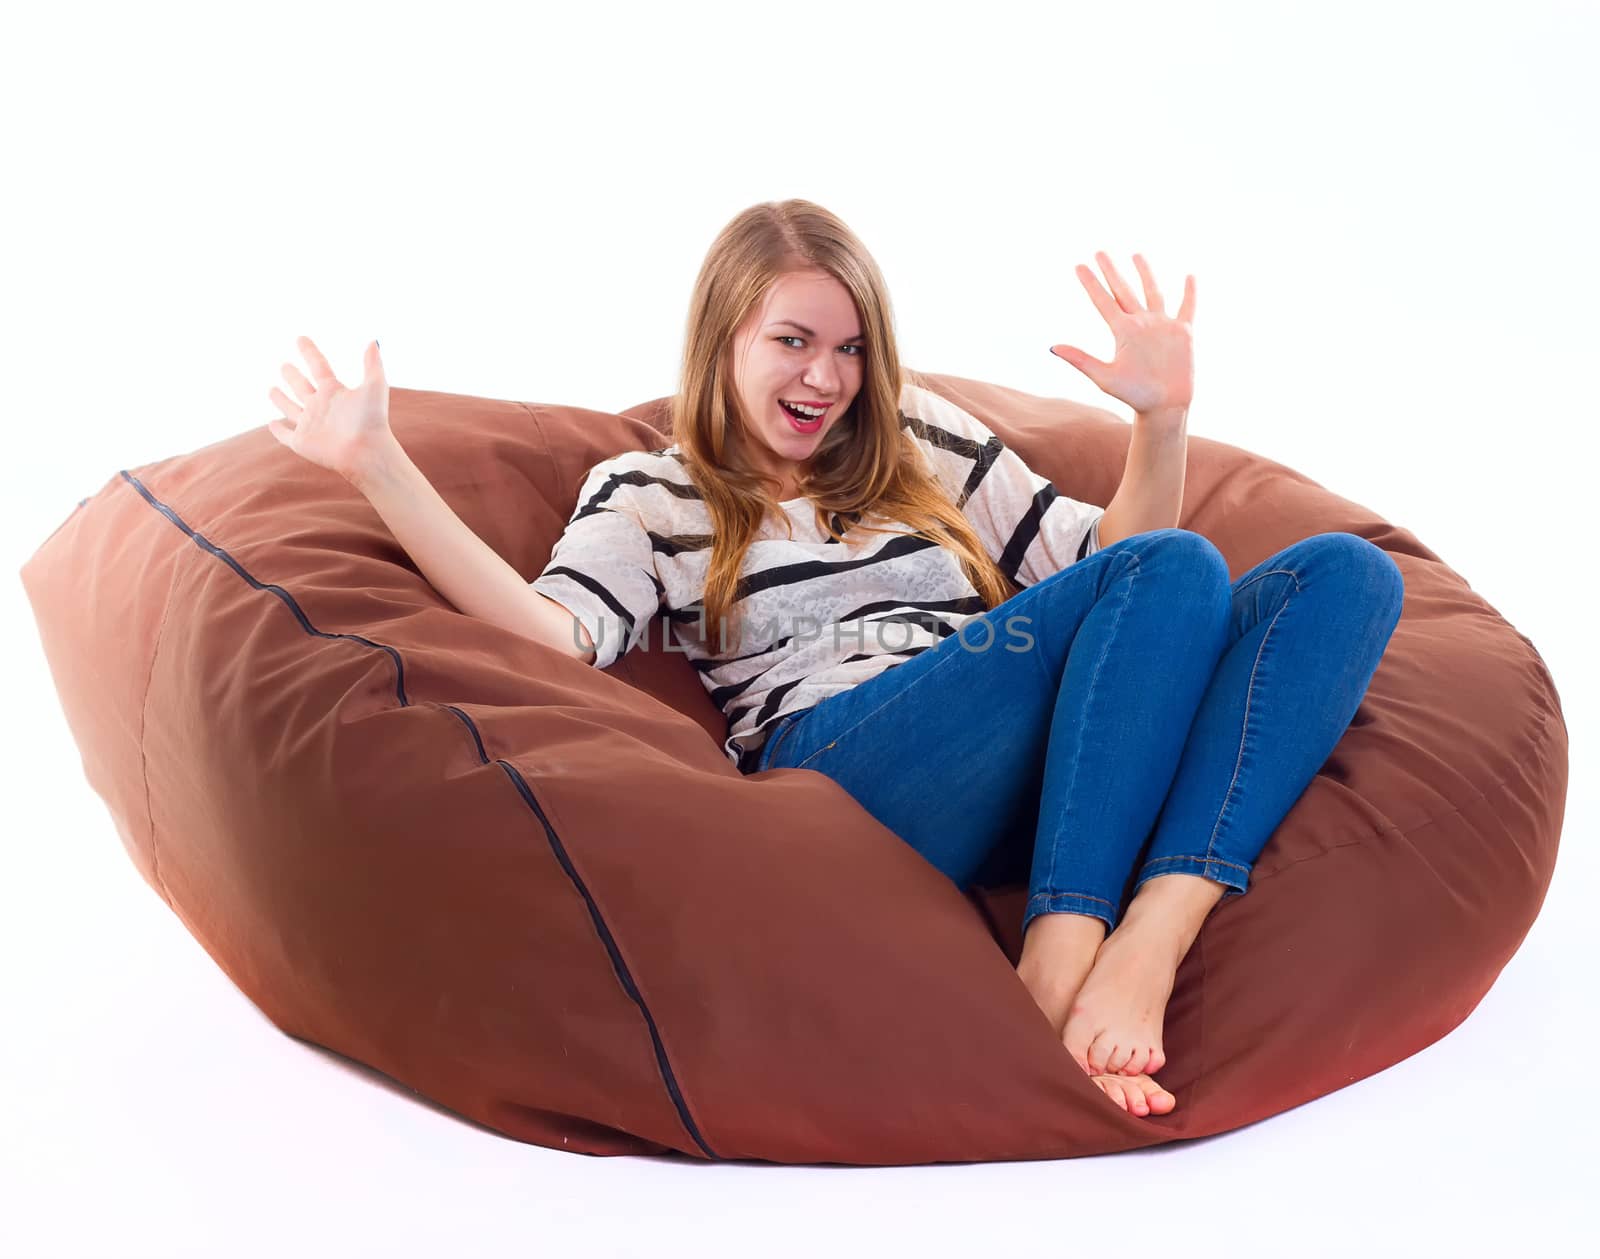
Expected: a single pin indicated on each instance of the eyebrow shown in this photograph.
(807, 331)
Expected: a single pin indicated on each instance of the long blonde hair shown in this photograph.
(864, 465)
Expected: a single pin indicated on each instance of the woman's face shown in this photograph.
(803, 344)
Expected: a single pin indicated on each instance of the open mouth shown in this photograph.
(802, 423)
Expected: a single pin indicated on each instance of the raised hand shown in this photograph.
(1153, 367)
(335, 426)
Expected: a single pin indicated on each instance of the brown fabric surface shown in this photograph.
(541, 895)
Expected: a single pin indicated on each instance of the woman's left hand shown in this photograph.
(1153, 368)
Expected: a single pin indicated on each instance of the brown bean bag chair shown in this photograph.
(543, 896)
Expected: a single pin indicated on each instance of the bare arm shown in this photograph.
(457, 563)
(1150, 495)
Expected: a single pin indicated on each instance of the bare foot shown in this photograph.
(1138, 1094)
(1115, 1021)
(1058, 953)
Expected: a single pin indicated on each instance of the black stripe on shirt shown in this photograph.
(597, 500)
(602, 593)
(921, 614)
(983, 457)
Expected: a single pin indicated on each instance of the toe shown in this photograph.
(1108, 1053)
(1113, 1090)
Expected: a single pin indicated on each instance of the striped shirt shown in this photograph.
(818, 616)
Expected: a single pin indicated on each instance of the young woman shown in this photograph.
(872, 586)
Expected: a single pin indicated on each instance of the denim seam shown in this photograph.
(1271, 572)
(1082, 896)
(1244, 729)
(1209, 861)
(1050, 874)
(783, 734)
(1047, 906)
(1213, 868)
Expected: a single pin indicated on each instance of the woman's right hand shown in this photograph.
(334, 426)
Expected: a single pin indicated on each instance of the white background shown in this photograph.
(1390, 212)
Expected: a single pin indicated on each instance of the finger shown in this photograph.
(1102, 300)
(281, 401)
(320, 371)
(1119, 286)
(1085, 363)
(1152, 294)
(1186, 311)
(301, 386)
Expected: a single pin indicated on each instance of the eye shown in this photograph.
(856, 350)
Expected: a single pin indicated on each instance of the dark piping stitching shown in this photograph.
(511, 772)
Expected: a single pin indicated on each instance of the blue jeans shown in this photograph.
(1134, 691)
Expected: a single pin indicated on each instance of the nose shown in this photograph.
(822, 375)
